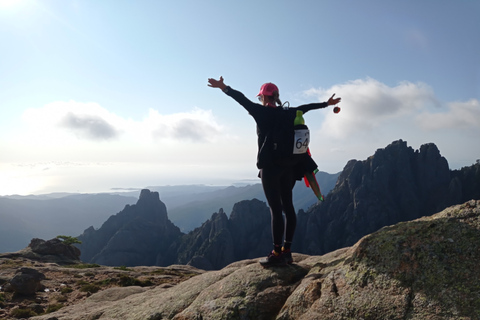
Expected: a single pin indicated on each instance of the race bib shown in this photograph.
(301, 141)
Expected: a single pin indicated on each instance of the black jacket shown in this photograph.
(266, 119)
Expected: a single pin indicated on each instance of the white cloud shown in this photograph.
(90, 121)
(373, 115)
(197, 126)
(369, 104)
(83, 146)
(89, 126)
(458, 115)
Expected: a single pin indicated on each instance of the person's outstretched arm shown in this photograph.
(312, 106)
(250, 106)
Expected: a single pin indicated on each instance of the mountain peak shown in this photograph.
(146, 195)
(137, 235)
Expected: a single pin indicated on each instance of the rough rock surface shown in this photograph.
(423, 269)
(69, 285)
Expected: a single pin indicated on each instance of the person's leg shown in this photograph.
(287, 183)
(271, 186)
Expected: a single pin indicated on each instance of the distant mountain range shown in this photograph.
(46, 216)
(396, 184)
(190, 210)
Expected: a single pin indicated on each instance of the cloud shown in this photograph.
(196, 126)
(374, 114)
(89, 126)
(85, 121)
(458, 115)
(91, 122)
(193, 129)
(369, 104)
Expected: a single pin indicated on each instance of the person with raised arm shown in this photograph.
(280, 167)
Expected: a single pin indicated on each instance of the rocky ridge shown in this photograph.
(395, 184)
(422, 269)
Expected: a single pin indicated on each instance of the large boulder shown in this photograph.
(26, 282)
(54, 250)
(54, 247)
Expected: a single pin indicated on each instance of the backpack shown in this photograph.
(287, 140)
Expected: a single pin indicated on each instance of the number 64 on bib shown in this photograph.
(301, 141)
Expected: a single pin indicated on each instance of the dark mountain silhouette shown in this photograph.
(395, 184)
(140, 234)
(222, 240)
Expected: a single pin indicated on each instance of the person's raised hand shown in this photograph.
(333, 101)
(216, 83)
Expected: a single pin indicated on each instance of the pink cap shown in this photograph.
(267, 89)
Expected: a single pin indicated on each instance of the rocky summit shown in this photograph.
(395, 184)
(138, 235)
(422, 269)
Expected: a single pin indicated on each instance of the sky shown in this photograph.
(107, 95)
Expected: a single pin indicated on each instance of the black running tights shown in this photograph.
(278, 184)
